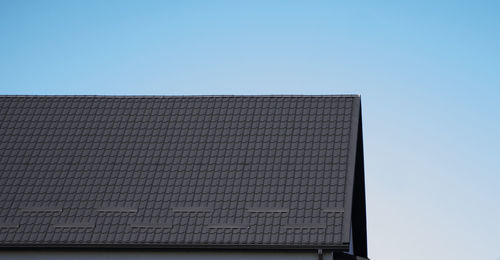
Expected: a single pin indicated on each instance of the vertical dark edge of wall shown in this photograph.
(359, 235)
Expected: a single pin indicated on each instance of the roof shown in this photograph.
(178, 171)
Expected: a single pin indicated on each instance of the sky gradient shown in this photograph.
(428, 74)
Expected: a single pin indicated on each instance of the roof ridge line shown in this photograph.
(183, 96)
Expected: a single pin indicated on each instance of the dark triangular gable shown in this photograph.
(354, 227)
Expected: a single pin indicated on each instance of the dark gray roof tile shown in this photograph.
(200, 171)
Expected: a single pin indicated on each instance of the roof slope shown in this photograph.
(180, 171)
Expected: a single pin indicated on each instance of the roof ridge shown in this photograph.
(183, 96)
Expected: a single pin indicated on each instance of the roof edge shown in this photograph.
(183, 96)
(336, 248)
(351, 168)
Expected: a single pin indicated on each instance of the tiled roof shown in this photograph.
(177, 171)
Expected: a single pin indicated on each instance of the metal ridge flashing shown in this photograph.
(184, 96)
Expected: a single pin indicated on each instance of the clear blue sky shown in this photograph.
(428, 73)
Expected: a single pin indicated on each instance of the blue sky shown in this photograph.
(428, 74)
